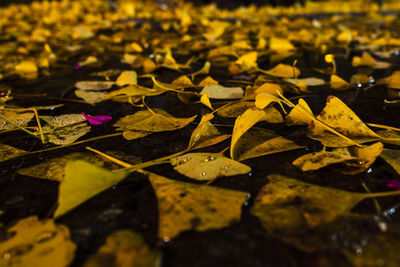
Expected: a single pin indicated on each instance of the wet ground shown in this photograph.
(132, 203)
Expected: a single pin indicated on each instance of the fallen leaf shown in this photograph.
(338, 83)
(311, 81)
(83, 181)
(8, 152)
(124, 248)
(215, 91)
(248, 61)
(208, 166)
(366, 156)
(94, 85)
(393, 81)
(282, 71)
(26, 67)
(235, 109)
(156, 120)
(392, 157)
(19, 118)
(280, 44)
(318, 160)
(127, 78)
(90, 96)
(35, 243)
(296, 115)
(261, 142)
(206, 101)
(342, 119)
(185, 206)
(264, 99)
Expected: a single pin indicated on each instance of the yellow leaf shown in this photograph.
(83, 181)
(19, 118)
(318, 160)
(156, 120)
(338, 83)
(342, 119)
(286, 205)
(242, 124)
(208, 166)
(184, 206)
(127, 78)
(135, 47)
(125, 248)
(148, 65)
(26, 67)
(248, 61)
(205, 134)
(94, 85)
(9, 152)
(282, 71)
(215, 91)
(206, 101)
(270, 88)
(235, 109)
(260, 142)
(208, 81)
(90, 96)
(264, 99)
(37, 243)
(183, 81)
(393, 81)
(296, 117)
(204, 70)
(366, 156)
(392, 157)
(280, 44)
(365, 60)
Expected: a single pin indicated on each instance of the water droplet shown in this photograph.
(45, 236)
(226, 167)
(369, 170)
(114, 187)
(210, 158)
(203, 174)
(166, 239)
(250, 174)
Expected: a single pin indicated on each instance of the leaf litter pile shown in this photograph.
(139, 135)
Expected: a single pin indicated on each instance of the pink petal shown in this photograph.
(77, 67)
(96, 120)
(395, 183)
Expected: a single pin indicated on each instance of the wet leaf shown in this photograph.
(341, 118)
(365, 60)
(90, 96)
(338, 83)
(235, 109)
(215, 91)
(318, 160)
(156, 120)
(20, 118)
(83, 181)
(37, 243)
(127, 78)
(392, 157)
(366, 156)
(64, 120)
(184, 206)
(94, 85)
(289, 205)
(124, 248)
(134, 91)
(311, 81)
(242, 124)
(66, 134)
(264, 99)
(248, 61)
(8, 152)
(270, 88)
(206, 101)
(296, 115)
(206, 134)
(260, 142)
(283, 71)
(208, 166)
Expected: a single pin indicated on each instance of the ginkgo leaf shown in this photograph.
(208, 81)
(83, 181)
(260, 142)
(206, 101)
(341, 118)
(91, 97)
(287, 205)
(94, 85)
(264, 99)
(206, 134)
(19, 118)
(54, 169)
(185, 206)
(156, 120)
(208, 166)
(311, 81)
(280, 44)
(297, 117)
(65, 135)
(318, 160)
(204, 70)
(215, 91)
(282, 71)
(125, 248)
(235, 109)
(270, 88)
(127, 78)
(34, 242)
(338, 83)
(26, 66)
(248, 61)
(242, 124)
(8, 152)
(393, 81)
(132, 134)
(392, 157)
(366, 156)
(365, 60)
(134, 91)
(183, 81)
